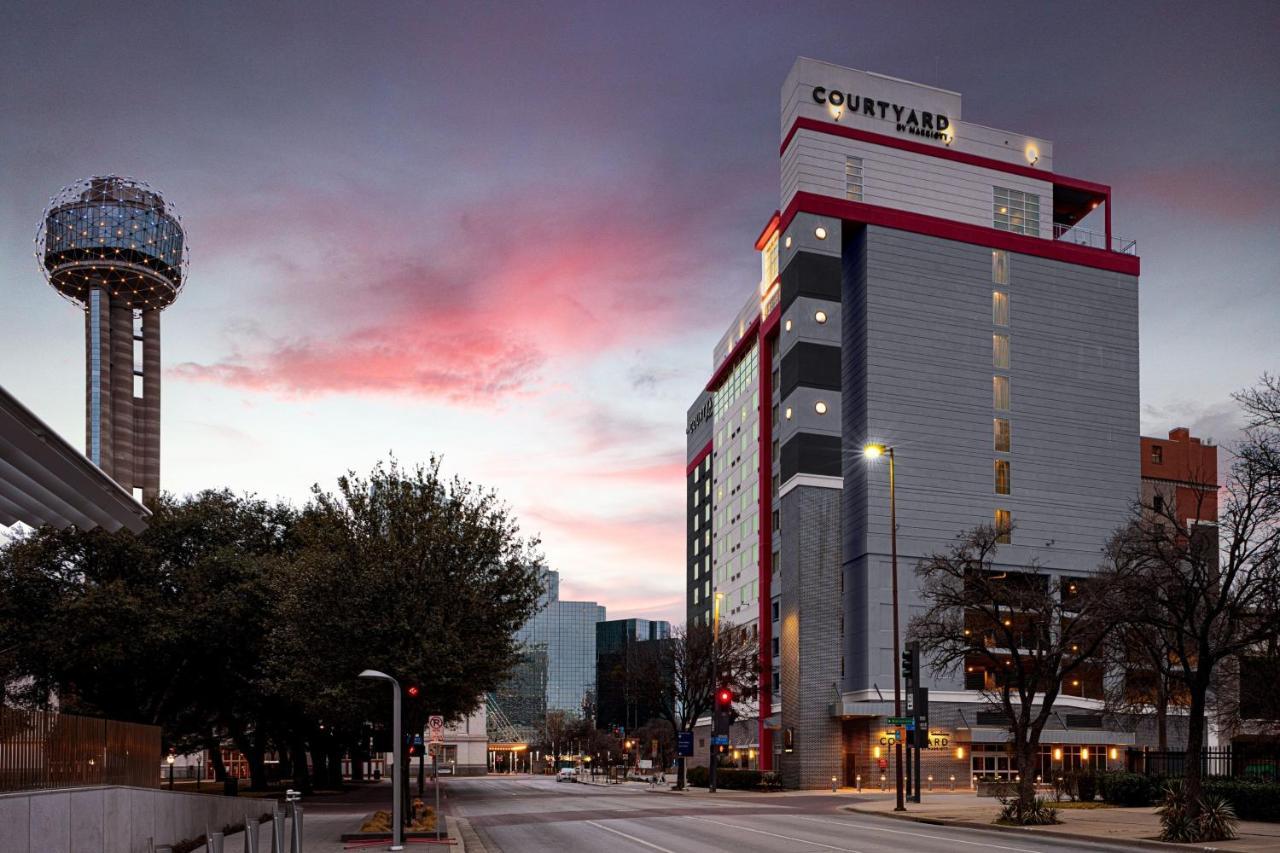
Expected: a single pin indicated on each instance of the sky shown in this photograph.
(511, 233)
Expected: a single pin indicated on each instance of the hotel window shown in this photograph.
(999, 266)
(853, 178)
(1016, 211)
(1000, 392)
(1004, 526)
(1157, 454)
(1000, 351)
(1002, 476)
(999, 308)
(1003, 433)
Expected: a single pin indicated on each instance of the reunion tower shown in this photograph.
(116, 249)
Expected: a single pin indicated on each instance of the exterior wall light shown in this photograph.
(820, 407)
(821, 317)
(786, 244)
(1057, 753)
(959, 757)
(787, 325)
(1033, 156)
(788, 413)
(1114, 754)
(820, 233)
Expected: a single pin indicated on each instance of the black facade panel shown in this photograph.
(808, 274)
(811, 453)
(812, 366)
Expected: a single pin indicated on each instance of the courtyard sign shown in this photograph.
(906, 119)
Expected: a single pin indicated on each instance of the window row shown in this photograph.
(853, 178)
(1016, 211)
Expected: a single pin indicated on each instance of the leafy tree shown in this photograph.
(677, 677)
(404, 571)
(1024, 631)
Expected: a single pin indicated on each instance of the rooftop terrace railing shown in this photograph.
(1094, 240)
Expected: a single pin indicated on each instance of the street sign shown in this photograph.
(901, 721)
(684, 743)
(435, 724)
(719, 740)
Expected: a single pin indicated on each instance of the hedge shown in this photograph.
(1129, 789)
(729, 778)
(1252, 800)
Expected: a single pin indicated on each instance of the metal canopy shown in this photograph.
(44, 480)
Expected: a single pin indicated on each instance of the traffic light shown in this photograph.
(722, 714)
(724, 699)
(413, 691)
(908, 670)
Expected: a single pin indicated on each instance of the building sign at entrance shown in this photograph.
(906, 119)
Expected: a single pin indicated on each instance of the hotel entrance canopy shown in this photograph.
(44, 480)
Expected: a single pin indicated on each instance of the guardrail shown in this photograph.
(41, 750)
(1083, 237)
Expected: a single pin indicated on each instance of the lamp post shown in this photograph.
(397, 746)
(714, 757)
(875, 451)
(171, 760)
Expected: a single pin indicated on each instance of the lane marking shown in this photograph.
(628, 837)
(772, 834)
(986, 844)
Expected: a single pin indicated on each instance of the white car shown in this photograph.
(567, 774)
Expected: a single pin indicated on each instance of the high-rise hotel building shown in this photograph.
(930, 284)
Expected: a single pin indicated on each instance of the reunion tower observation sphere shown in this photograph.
(117, 250)
(116, 234)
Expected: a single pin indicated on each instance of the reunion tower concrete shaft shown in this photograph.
(116, 249)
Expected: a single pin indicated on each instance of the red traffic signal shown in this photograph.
(724, 699)
(413, 691)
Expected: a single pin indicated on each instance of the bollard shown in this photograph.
(833, 784)
(930, 781)
(250, 835)
(859, 779)
(953, 781)
(882, 782)
(213, 842)
(277, 832)
(295, 838)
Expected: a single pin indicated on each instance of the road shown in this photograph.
(539, 815)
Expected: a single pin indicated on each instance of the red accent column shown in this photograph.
(1108, 212)
(767, 334)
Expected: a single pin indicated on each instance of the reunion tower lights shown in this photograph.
(116, 249)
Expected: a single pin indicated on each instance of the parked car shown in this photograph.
(567, 774)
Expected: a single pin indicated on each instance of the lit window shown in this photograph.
(999, 308)
(1016, 211)
(820, 233)
(1000, 351)
(820, 407)
(853, 178)
(999, 266)
(1004, 526)
(1000, 392)
(821, 317)
(1002, 477)
(1003, 434)
(1157, 454)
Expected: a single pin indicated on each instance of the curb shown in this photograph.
(1145, 843)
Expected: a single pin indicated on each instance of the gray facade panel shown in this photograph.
(917, 373)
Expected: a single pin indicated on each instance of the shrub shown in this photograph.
(1216, 820)
(732, 779)
(1036, 813)
(1128, 789)
(698, 777)
(771, 781)
(1086, 787)
(1251, 800)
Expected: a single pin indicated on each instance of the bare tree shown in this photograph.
(1023, 633)
(678, 676)
(1209, 594)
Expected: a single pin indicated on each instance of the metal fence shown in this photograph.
(46, 749)
(1239, 762)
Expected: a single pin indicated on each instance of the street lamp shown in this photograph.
(875, 451)
(170, 759)
(397, 746)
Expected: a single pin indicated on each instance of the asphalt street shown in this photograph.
(540, 815)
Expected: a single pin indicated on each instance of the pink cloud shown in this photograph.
(469, 306)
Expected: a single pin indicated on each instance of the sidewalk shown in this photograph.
(1141, 826)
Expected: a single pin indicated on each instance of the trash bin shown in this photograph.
(231, 787)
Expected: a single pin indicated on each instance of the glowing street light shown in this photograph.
(875, 451)
(397, 745)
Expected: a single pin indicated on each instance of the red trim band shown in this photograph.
(963, 232)
(768, 231)
(739, 349)
(817, 126)
(767, 335)
(697, 460)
